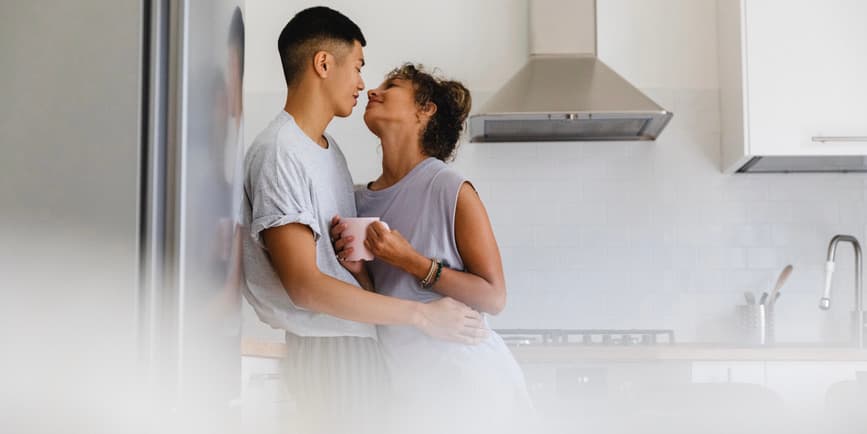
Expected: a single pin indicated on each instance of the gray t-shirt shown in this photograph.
(288, 178)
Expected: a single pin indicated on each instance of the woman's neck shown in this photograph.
(401, 152)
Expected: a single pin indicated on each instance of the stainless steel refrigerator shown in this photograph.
(121, 133)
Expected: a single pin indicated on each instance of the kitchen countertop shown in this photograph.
(685, 352)
(612, 353)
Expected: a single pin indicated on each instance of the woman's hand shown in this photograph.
(341, 247)
(389, 245)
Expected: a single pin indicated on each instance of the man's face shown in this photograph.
(344, 82)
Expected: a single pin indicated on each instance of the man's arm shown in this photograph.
(292, 251)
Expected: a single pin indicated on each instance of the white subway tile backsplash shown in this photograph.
(722, 258)
(747, 280)
(602, 236)
(697, 235)
(565, 235)
(633, 260)
(761, 257)
(744, 188)
(778, 212)
(582, 213)
(676, 258)
(580, 258)
(748, 235)
(516, 235)
(823, 213)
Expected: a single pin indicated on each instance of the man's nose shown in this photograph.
(371, 93)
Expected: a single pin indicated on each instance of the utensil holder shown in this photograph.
(755, 324)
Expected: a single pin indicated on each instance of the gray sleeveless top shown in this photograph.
(476, 385)
(421, 206)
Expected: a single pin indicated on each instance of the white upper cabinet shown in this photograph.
(793, 83)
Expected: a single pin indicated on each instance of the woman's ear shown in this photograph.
(428, 110)
(322, 62)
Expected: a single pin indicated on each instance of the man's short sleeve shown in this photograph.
(280, 194)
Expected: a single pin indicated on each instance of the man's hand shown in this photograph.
(341, 246)
(450, 320)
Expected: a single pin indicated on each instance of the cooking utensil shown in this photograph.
(750, 297)
(764, 299)
(781, 280)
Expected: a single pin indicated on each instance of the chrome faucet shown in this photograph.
(825, 302)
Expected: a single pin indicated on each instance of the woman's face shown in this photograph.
(392, 104)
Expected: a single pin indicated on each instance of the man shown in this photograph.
(296, 180)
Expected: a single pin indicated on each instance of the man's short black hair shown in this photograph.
(310, 31)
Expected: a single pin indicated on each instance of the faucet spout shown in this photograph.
(825, 302)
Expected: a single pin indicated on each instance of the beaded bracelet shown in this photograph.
(430, 273)
(439, 271)
(436, 267)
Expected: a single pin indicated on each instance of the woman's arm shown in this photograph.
(482, 286)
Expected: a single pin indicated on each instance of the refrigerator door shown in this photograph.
(191, 285)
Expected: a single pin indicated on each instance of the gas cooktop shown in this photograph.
(520, 337)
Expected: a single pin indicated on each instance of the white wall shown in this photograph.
(607, 235)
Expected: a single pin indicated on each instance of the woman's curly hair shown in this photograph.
(452, 99)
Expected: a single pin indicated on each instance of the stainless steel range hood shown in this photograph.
(563, 92)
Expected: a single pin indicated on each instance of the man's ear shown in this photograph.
(322, 62)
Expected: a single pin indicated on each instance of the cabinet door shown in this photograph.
(804, 385)
(729, 372)
(806, 69)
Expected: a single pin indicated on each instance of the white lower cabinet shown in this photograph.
(729, 372)
(815, 396)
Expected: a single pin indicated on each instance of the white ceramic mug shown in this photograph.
(357, 227)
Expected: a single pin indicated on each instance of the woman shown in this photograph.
(440, 243)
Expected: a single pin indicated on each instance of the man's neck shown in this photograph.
(310, 113)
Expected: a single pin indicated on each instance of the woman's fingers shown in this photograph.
(373, 242)
(373, 231)
(378, 227)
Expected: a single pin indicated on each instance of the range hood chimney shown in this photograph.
(563, 92)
